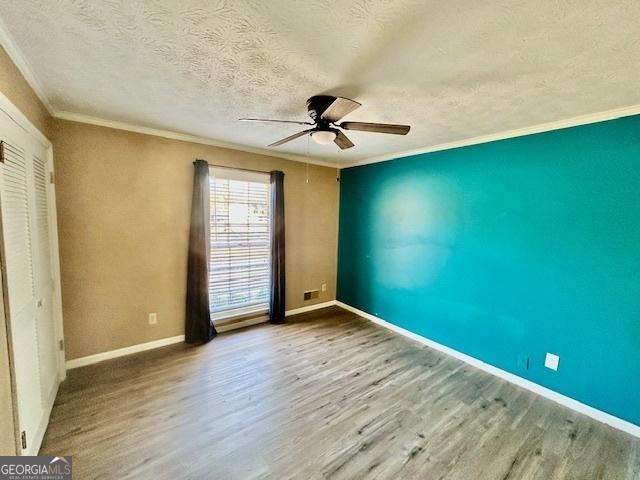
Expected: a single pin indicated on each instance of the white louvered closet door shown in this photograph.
(45, 324)
(17, 226)
(28, 272)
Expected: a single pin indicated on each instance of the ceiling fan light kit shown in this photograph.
(326, 111)
(323, 137)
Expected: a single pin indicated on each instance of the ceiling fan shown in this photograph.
(326, 111)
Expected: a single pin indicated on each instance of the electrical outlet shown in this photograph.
(324, 287)
(552, 361)
(153, 318)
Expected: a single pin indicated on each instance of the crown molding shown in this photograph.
(22, 65)
(519, 132)
(75, 117)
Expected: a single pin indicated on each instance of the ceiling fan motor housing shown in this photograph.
(316, 105)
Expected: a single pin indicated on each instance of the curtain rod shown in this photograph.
(236, 168)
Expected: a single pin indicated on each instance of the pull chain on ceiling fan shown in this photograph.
(326, 111)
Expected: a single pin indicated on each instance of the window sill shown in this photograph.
(246, 319)
(231, 316)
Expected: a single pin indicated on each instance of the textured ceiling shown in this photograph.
(453, 70)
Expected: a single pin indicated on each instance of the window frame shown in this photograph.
(230, 173)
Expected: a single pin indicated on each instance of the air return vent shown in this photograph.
(310, 294)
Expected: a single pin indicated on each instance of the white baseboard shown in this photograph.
(163, 342)
(309, 308)
(563, 400)
(121, 352)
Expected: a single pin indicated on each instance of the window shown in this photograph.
(240, 259)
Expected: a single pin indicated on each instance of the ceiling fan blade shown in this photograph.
(290, 137)
(376, 127)
(270, 120)
(342, 140)
(339, 108)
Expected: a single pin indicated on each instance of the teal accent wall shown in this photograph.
(508, 250)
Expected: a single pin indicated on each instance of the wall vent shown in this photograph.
(310, 294)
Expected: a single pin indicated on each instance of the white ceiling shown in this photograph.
(452, 70)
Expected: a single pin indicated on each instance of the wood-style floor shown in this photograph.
(326, 397)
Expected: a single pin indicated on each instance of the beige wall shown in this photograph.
(18, 91)
(123, 214)
(15, 88)
(124, 201)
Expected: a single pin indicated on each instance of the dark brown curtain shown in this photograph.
(199, 328)
(277, 298)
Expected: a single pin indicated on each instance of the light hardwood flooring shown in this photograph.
(329, 396)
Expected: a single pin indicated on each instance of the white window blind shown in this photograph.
(240, 257)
